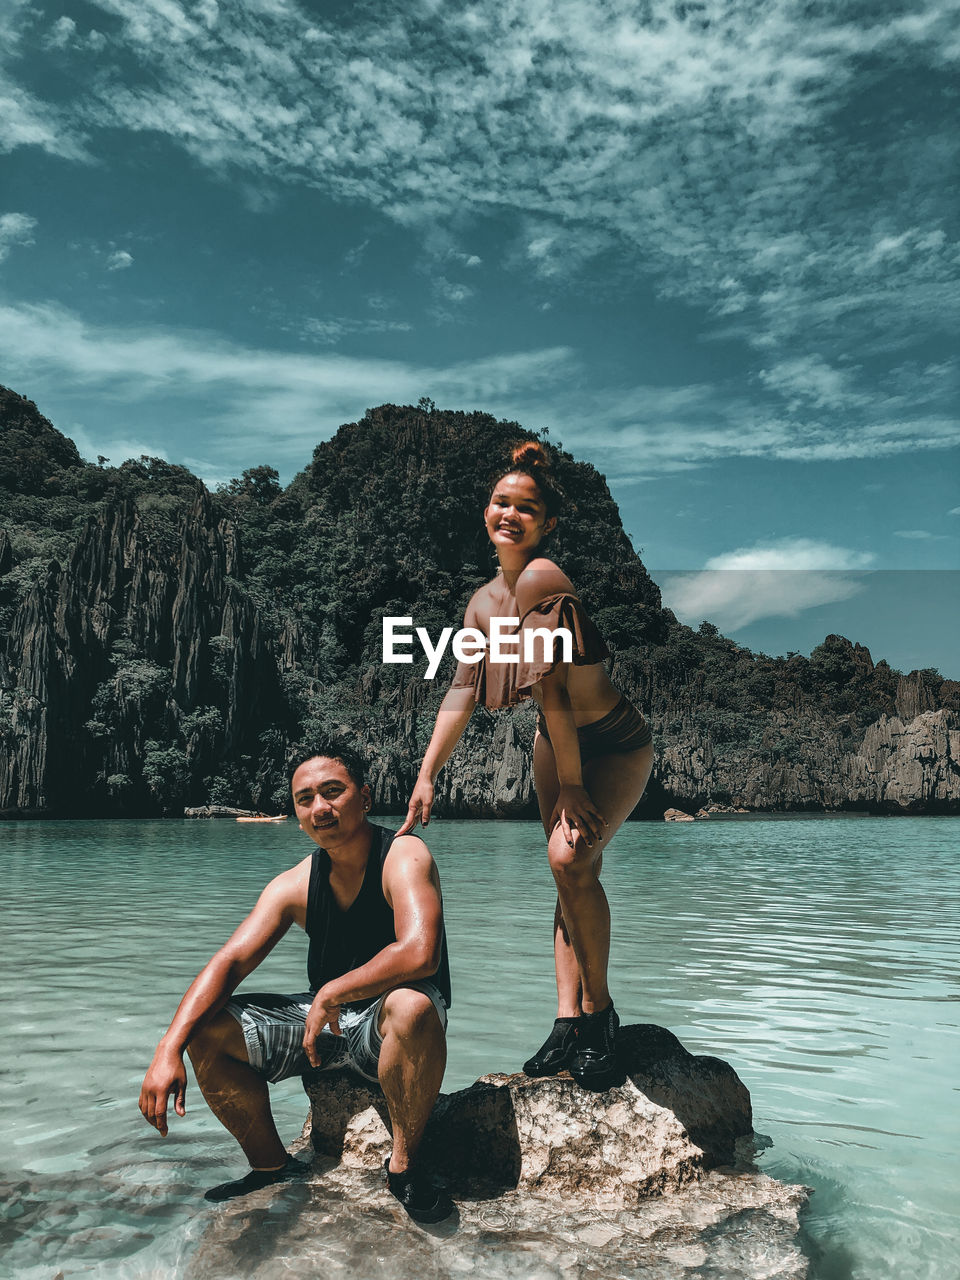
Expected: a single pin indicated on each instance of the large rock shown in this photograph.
(913, 765)
(677, 815)
(549, 1181)
(345, 1226)
(675, 1116)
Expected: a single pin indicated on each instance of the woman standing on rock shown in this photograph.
(592, 752)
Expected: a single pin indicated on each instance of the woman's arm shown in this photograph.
(455, 711)
(574, 807)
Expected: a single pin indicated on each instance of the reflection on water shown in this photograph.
(820, 958)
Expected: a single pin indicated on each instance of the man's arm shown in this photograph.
(212, 988)
(412, 887)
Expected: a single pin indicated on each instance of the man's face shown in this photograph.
(329, 805)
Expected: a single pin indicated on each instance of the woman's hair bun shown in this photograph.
(533, 459)
(530, 453)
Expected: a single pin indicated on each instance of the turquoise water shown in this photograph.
(819, 957)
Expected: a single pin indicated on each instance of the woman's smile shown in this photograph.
(516, 512)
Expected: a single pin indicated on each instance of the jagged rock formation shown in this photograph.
(808, 761)
(166, 647)
(111, 657)
(549, 1181)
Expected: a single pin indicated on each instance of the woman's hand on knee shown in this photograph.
(576, 813)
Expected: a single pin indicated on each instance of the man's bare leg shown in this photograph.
(412, 1061)
(236, 1094)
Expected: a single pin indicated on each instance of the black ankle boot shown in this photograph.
(594, 1062)
(556, 1051)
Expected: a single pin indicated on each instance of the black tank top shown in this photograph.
(344, 940)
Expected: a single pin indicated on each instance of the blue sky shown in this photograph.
(713, 247)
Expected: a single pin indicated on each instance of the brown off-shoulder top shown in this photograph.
(504, 684)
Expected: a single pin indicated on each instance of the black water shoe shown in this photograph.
(556, 1051)
(256, 1179)
(593, 1063)
(424, 1201)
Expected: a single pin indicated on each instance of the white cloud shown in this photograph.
(119, 260)
(64, 34)
(452, 291)
(15, 229)
(791, 554)
(647, 429)
(353, 257)
(778, 579)
(810, 382)
(234, 393)
(915, 535)
(25, 119)
(954, 511)
(701, 146)
(26, 122)
(330, 331)
(61, 34)
(636, 432)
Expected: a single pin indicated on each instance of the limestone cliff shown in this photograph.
(166, 647)
(131, 668)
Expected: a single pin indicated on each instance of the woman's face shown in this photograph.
(516, 515)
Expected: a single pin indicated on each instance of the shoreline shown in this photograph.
(757, 815)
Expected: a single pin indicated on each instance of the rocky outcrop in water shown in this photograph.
(674, 1117)
(549, 1181)
(808, 762)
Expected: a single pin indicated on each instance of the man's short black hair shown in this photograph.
(329, 749)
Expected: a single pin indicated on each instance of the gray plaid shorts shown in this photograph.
(272, 1027)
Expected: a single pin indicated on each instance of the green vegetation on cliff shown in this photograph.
(164, 646)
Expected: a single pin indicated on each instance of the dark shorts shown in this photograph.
(621, 730)
(273, 1025)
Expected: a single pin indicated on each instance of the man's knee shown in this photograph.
(220, 1037)
(409, 1014)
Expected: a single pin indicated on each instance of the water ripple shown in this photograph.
(821, 958)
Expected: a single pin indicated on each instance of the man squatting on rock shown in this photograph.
(379, 990)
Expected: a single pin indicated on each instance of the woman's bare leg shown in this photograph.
(615, 784)
(565, 961)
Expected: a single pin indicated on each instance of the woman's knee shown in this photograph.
(571, 863)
